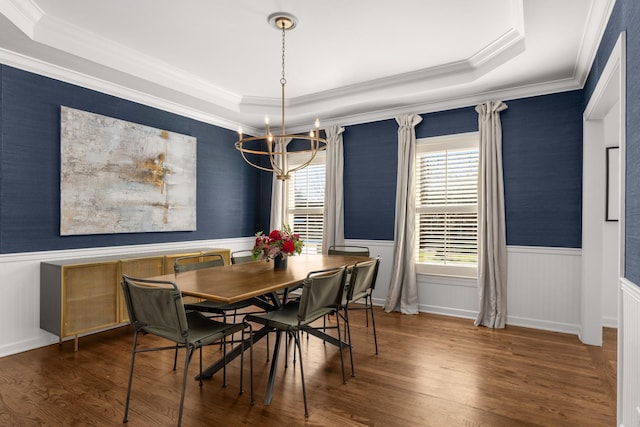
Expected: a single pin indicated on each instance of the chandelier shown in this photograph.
(271, 145)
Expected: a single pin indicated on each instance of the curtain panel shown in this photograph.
(403, 289)
(333, 222)
(492, 242)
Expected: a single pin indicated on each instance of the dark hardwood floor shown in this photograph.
(431, 371)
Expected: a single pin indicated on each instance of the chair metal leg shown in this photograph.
(344, 377)
(347, 328)
(175, 357)
(187, 360)
(241, 359)
(200, 376)
(366, 310)
(373, 323)
(304, 390)
(224, 357)
(250, 361)
(133, 358)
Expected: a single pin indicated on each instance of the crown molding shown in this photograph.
(66, 75)
(172, 89)
(588, 50)
(76, 41)
(350, 118)
(24, 14)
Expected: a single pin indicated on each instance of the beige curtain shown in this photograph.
(403, 289)
(333, 229)
(492, 242)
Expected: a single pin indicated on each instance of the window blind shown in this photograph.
(447, 200)
(305, 205)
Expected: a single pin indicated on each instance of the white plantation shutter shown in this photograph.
(447, 204)
(305, 203)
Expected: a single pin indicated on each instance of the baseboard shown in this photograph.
(44, 339)
(544, 325)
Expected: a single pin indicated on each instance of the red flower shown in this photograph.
(275, 235)
(288, 246)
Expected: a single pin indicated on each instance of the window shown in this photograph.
(447, 205)
(305, 202)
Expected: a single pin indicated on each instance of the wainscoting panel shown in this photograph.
(543, 289)
(629, 356)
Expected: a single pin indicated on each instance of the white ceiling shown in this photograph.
(347, 61)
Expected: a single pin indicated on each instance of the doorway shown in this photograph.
(602, 228)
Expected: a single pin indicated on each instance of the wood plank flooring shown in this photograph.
(431, 371)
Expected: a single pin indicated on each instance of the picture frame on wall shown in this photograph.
(613, 184)
(122, 177)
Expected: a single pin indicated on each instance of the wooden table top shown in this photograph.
(237, 282)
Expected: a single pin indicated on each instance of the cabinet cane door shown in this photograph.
(90, 297)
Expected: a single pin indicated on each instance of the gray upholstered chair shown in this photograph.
(321, 295)
(156, 308)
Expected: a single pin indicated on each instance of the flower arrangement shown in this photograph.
(277, 243)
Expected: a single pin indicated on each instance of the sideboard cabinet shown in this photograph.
(79, 296)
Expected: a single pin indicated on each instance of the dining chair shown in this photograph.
(361, 284)
(242, 256)
(348, 250)
(194, 262)
(155, 307)
(321, 294)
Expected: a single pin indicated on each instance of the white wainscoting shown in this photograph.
(20, 287)
(543, 290)
(629, 355)
(543, 287)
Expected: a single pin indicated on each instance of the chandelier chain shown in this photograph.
(283, 80)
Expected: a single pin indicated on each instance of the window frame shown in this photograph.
(466, 140)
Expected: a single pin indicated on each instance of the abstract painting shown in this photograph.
(122, 177)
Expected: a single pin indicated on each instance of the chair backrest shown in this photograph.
(240, 257)
(321, 293)
(156, 307)
(348, 250)
(194, 262)
(363, 279)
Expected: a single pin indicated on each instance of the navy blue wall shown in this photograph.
(542, 164)
(227, 193)
(542, 150)
(626, 17)
(542, 155)
(370, 168)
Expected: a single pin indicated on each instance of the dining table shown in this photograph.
(260, 283)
